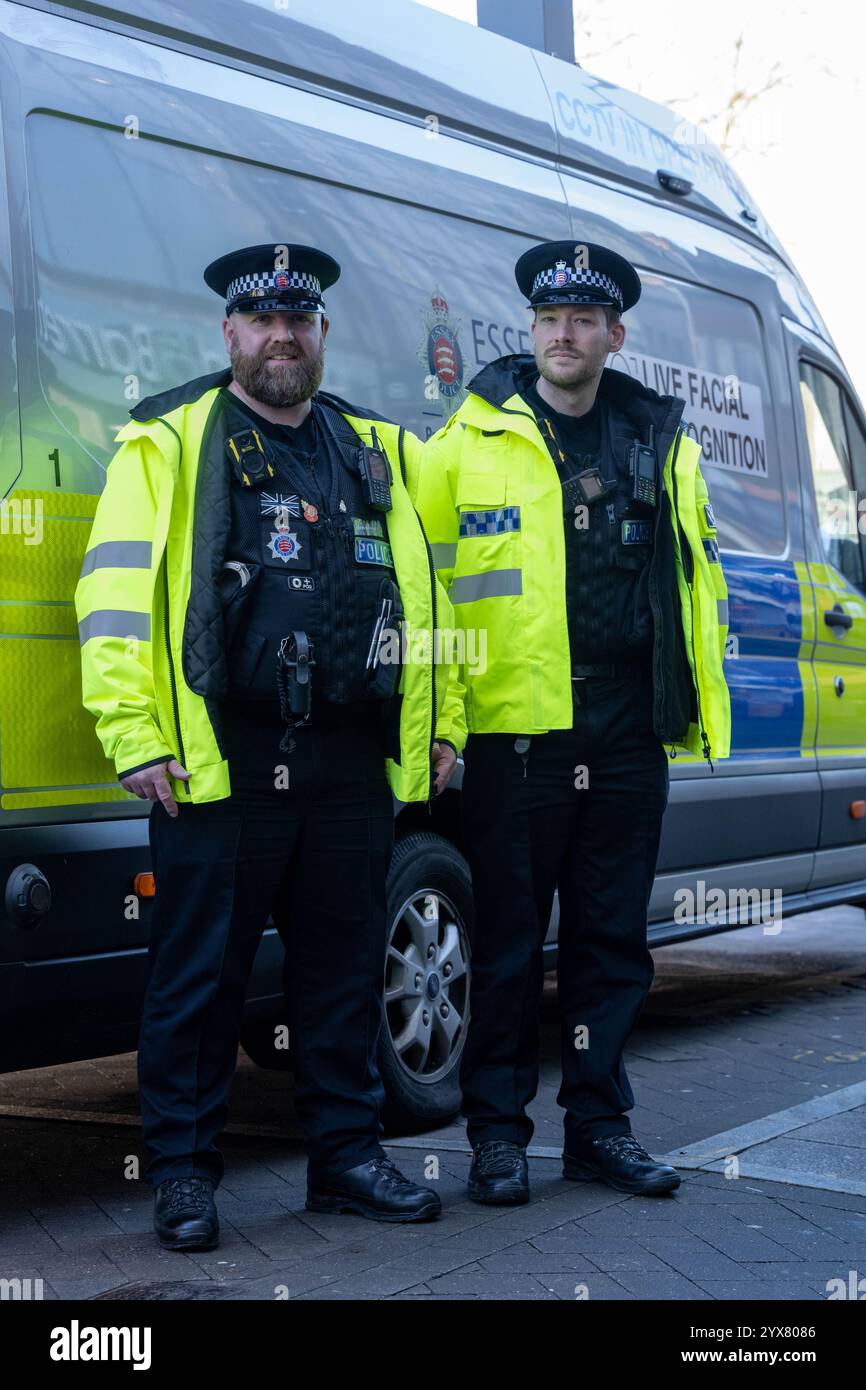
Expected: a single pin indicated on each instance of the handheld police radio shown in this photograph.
(642, 469)
(376, 476)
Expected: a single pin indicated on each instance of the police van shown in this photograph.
(425, 155)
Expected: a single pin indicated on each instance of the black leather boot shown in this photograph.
(185, 1215)
(499, 1174)
(621, 1162)
(377, 1190)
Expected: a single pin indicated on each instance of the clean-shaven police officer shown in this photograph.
(596, 575)
(251, 559)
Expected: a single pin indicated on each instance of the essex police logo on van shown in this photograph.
(723, 413)
(440, 352)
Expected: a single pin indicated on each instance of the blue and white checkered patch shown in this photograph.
(490, 523)
(711, 546)
(273, 281)
(559, 275)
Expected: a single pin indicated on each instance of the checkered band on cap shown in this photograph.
(560, 276)
(265, 280)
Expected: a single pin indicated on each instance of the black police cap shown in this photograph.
(275, 276)
(576, 272)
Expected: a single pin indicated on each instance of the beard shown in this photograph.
(289, 384)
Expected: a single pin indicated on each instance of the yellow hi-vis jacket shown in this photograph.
(149, 615)
(507, 586)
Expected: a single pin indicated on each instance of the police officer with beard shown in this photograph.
(253, 562)
(565, 505)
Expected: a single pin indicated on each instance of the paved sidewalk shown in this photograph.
(749, 1064)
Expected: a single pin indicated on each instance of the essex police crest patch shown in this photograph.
(284, 545)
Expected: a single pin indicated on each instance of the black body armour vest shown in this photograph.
(298, 560)
(608, 547)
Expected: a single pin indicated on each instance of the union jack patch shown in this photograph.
(275, 501)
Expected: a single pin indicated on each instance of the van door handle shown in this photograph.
(837, 617)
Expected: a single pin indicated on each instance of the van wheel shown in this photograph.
(427, 975)
(426, 994)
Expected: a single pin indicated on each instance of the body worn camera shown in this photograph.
(249, 458)
(586, 488)
(376, 477)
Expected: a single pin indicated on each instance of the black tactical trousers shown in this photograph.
(318, 853)
(526, 835)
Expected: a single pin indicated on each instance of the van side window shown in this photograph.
(707, 348)
(857, 450)
(835, 439)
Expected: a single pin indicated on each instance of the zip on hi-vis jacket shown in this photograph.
(401, 456)
(689, 569)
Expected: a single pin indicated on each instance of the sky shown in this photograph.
(796, 139)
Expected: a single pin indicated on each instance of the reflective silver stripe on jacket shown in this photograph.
(125, 555)
(723, 609)
(491, 584)
(114, 622)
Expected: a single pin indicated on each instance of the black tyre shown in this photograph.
(427, 981)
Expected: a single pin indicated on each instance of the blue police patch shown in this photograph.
(708, 513)
(637, 532)
(491, 523)
(370, 551)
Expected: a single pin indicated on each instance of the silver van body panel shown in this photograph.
(140, 145)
